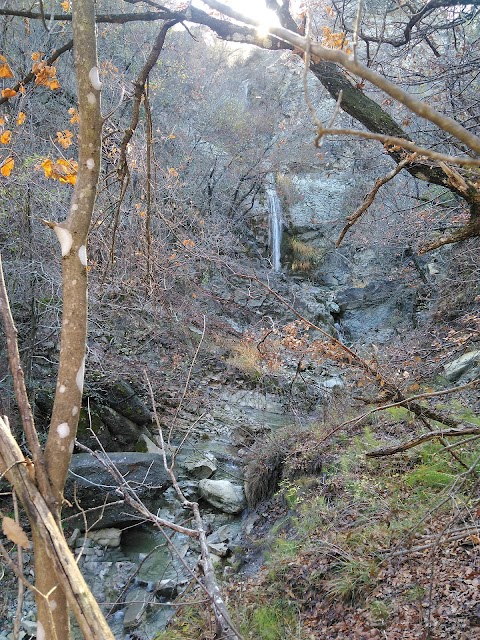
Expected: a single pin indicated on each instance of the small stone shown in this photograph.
(165, 588)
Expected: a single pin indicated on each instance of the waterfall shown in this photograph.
(275, 225)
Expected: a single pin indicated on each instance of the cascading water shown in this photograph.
(275, 225)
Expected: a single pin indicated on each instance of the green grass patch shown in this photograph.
(399, 413)
(429, 477)
(275, 621)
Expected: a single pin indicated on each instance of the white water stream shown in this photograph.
(275, 226)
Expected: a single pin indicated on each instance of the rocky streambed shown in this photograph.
(133, 569)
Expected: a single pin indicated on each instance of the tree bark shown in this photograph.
(72, 235)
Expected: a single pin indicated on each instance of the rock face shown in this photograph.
(90, 484)
(121, 396)
(111, 409)
(350, 285)
(223, 495)
(468, 363)
(375, 310)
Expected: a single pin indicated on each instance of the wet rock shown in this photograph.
(225, 533)
(223, 495)
(219, 549)
(137, 603)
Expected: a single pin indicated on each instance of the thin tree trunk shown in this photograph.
(72, 235)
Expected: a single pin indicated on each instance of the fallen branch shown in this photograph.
(444, 433)
(407, 401)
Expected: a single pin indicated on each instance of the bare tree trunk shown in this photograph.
(72, 235)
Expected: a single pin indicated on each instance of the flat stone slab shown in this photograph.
(91, 485)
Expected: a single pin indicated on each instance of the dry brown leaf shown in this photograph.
(14, 532)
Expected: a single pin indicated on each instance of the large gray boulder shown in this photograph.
(90, 484)
(223, 495)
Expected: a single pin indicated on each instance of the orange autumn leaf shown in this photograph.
(7, 167)
(64, 138)
(36, 55)
(75, 115)
(188, 243)
(2, 121)
(5, 71)
(53, 84)
(63, 170)
(21, 118)
(14, 532)
(5, 137)
(65, 6)
(8, 93)
(47, 166)
(45, 75)
(334, 40)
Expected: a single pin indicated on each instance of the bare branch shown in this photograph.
(21, 391)
(31, 76)
(370, 197)
(321, 53)
(392, 141)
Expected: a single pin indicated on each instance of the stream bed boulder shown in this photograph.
(223, 495)
(201, 466)
(90, 484)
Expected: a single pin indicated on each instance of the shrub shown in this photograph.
(288, 452)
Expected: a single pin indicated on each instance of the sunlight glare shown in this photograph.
(255, 9)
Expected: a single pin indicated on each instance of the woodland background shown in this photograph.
(195, 143)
